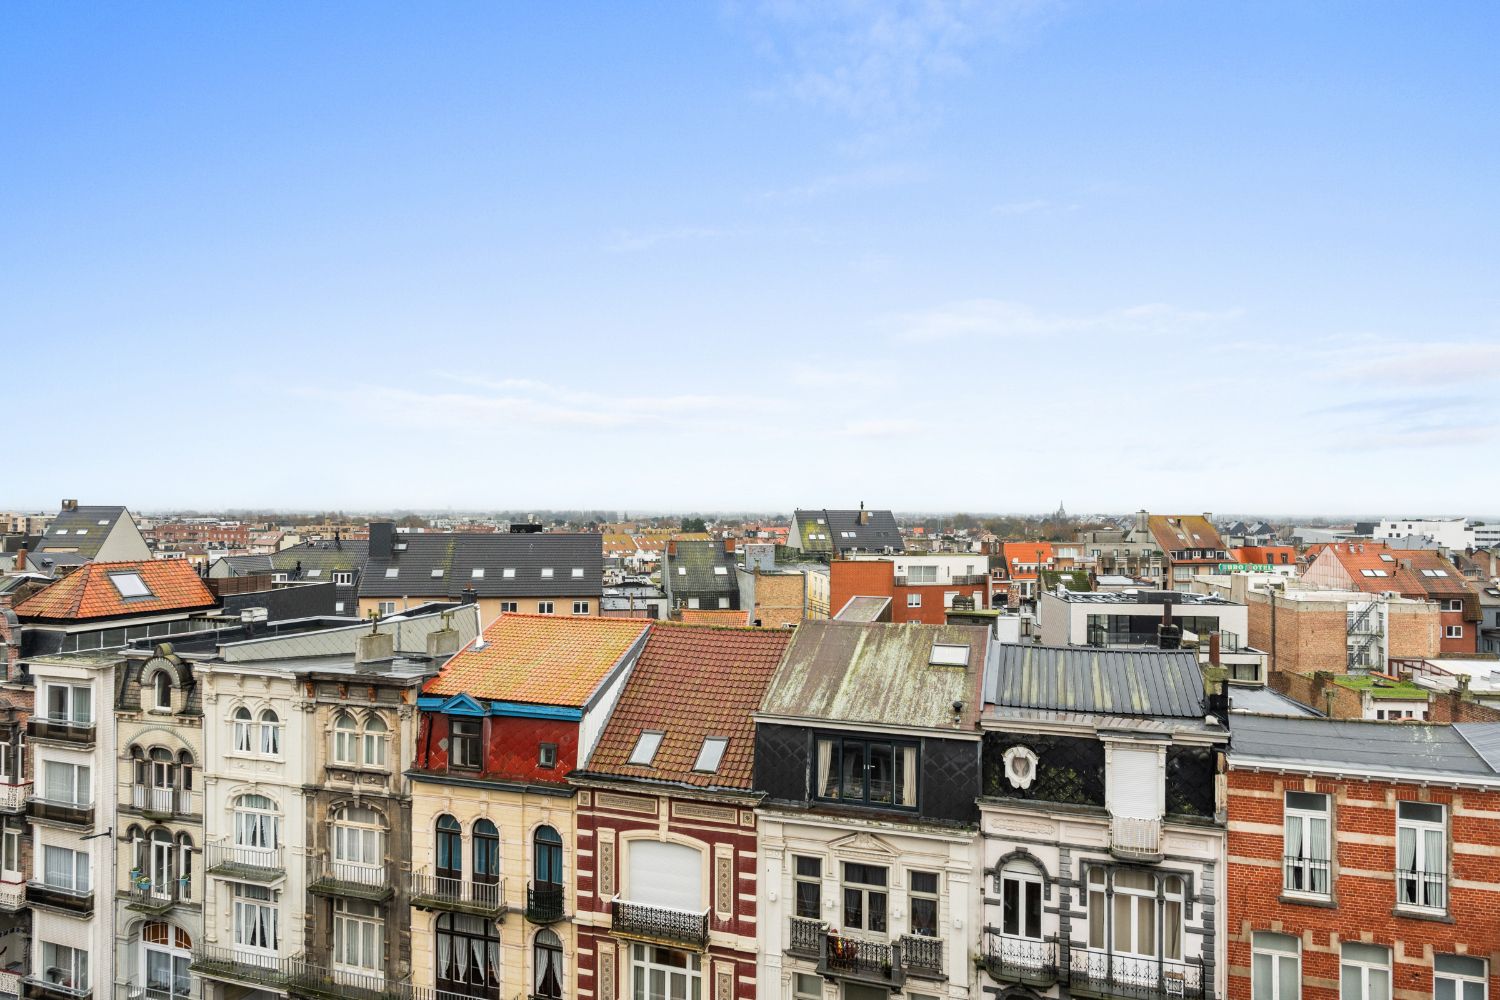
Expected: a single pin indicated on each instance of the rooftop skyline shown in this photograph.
(741, 256)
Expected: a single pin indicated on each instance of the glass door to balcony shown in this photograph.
(159, 868)
(160, 795)
(167, 952)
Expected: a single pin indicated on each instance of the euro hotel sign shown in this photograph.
(1246, 568)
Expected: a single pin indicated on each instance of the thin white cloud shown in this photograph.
(991, 318)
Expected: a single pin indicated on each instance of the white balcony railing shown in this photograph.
(12, 895)
(1131, 835)
(13, 797)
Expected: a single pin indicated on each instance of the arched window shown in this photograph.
(1020, 887)
(486, 852)
(256, 831)
(358, 843)
(159, 877)
(162, 685)
(185, 781)
(548, 856)
(244, 739)
(468, 956)
(270, 733)
(161, 781)
(345, 736)
(547, 965)
(166, 952)
(450, 849)
(375, 732)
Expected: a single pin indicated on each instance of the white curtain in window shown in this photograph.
(906, 776)
(444, 954)
(826, 786)
(1317, 835)
(1171, 934)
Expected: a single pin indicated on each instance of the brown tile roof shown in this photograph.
(1184, 531)
(540, 659)
(691, 616)
(90, 592)
(692, 682)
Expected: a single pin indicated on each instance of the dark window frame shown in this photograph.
(841, 744)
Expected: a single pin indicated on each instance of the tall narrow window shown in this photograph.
(549, 856)
(1421, 856)
(808, 886)
(163, 690)
(345, 736)
(374, 742)
(1134, 913)
(1021, 901)
(923, 901)
(357, 843)
(255, 923)
(358, 936)
(486, 854)
(1306, 852)
(1458, 977)
(468, 956)
(450, 853)
(1364, 972)
(864, 897)
(244, 741)
(547, 966)
(270, 733)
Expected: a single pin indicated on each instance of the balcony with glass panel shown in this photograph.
(79, 902)
(67, 732)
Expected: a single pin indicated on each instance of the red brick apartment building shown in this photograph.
(1362, 860)
(1419, 574)
(666, 820)
(911, 602)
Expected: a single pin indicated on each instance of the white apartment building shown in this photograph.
(70, 888)
(1452, 533)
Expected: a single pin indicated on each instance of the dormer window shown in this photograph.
(645, 748)
(1135, 793)
(711, 754)
(867, 772)
(162, 689)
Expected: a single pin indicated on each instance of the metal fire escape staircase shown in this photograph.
(1364, 632)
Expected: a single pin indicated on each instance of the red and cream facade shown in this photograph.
(1367, 881)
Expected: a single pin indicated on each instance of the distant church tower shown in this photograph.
(1062, 512)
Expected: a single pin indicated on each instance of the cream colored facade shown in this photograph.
(518, 815)
(490, 608)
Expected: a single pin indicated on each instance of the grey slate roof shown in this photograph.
(457, 554)
(878, 533)
(865, 609)
(1356, 745)
(1264, 701)
(87, 518)
(1484, 737)
(1118, 682)
(688, 570)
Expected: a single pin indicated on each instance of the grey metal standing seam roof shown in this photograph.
(1357, 745)
(1123, 682)
(1484, 737)
(97, 523)
(453, 557)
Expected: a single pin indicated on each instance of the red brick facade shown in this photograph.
(722, 829)
(877, 578)
(512, 747)
(1362, 907)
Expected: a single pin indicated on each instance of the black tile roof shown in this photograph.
(688, 570)
(96, 523)
(444, 564)
(877, 533)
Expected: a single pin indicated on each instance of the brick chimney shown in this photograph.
(70, 505)
(21, 559)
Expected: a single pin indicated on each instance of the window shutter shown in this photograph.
(669, 875)
(1135, 782)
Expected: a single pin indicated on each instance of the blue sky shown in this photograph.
(749, 256)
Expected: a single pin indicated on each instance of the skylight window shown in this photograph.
(437, 573)
(477, 573)
(578, 572)
(949, 655)
(682, 571)
(1387, 557)
(1373, 572)
(104, 520)
(81, 531)
(313, 574)
(721, 571)
(393, 572)
(645, 748)
(130, 584)
(59, 531)
(546, 572)
(1434, 572)
(508, 573)
(711, 754)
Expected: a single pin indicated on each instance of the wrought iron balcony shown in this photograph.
(78, 734)
(257, 864)
(544, 902)
(1421, 890)
(1123, 977)
(304, 979)
(875, 962)
(145, 896)
(805, 936)
(437, 892)
(1012, 959)
(343, 878)
(1135, 838)
(35, 988)
(13, 797)
(659, 923)
(162, 803)
(60, 811)
(78, 901)
(239, 965)
(922, 955)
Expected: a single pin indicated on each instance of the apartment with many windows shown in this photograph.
(1361, 859)
(867, 756)
(1102, 831)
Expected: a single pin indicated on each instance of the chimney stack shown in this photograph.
(382, 538)
(21, 559)
(68, 505)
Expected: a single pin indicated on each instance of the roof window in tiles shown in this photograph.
(1387, 557)
(645, 748)
(81, 531)
(546, 572)
(949, 655)
(392, 572)
(130, 585)
(477, 573)
(721, 571)
(1373, 572)
(682, 571)
(711, 753)
(508, 573)
(578, 572)
(104, 520)
(436, 573)
(313, 574)
(60, 531)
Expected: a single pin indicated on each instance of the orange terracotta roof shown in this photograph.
(1258, 555)
(91, 591)
(1184, 531)
(690, 683)
(1402, 569)
(714, 617)
(540, 659)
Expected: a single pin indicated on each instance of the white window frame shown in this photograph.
(1305, 849)
(364, 953)
(383, 608)
(1021, 883)
(82, 780)
(1427, 886)
(580, 607)
(1453, 631)
(1262, 946)
(256, 919)
(545, 607)
(650, 978)
(270, 733)
(70, 710)
(342, 578)
(913, 600)
(1364, 969)
(345, 739)
(1472, 985)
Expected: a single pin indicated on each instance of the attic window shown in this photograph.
(400, 546)
(81, 531)
(682, 571)
(1434, 572)
(949, 655)
(104, 520)
(313, 574)
(711, 754)
(59, 531)
(846, 534)
(546, 572)
(721, 571)
(130, 584)
(1386, 557)
(645, 748)
(393, 572)
(1373, 572)
(437, 573)
(508, 573)
(578, 572)
(477, 573)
